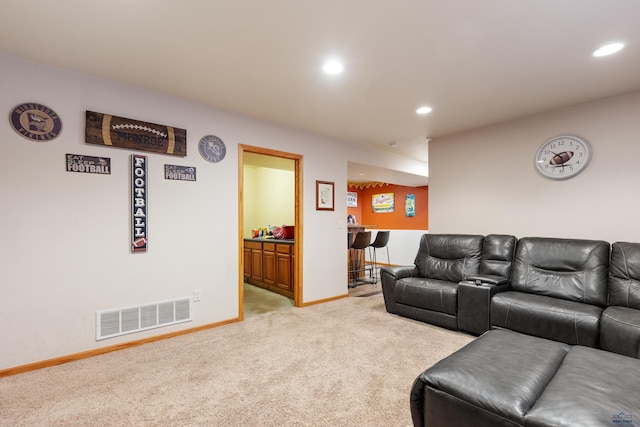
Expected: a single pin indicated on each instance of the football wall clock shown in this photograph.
(563, 157)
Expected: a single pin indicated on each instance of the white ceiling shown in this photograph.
(474, 62)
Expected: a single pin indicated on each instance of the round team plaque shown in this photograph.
(212, 149)
(35, 122)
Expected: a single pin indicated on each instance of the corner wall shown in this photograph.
(483, 181)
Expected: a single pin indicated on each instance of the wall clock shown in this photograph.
(212, 149)
(563, 157)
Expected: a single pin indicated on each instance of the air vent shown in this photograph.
(121, 321)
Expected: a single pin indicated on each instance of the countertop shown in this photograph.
(260, 239)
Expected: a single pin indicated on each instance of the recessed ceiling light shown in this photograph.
(608, 49)
(424, 110)
(333, 67)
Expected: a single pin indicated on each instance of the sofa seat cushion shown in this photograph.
(497, 377)
(620, 330)
(429, 294)
(591, 388)
(547, 317)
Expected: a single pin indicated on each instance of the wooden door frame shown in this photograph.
(297, 247)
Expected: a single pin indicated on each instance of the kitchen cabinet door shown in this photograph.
(269, 264)
(285, 269)
(247, 262)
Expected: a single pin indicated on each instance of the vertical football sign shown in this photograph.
(138, 203)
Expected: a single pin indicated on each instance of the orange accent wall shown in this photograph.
(396, 220)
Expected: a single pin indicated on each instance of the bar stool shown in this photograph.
(381, 241)
(360, 243)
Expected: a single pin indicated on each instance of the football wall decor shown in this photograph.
(138, 203)
(179, 173)
(88, 164)
(114, 131)
(35, 121)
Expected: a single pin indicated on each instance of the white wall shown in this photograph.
(402, 247)
(65, 236)
(484, 181)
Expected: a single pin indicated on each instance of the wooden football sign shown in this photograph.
(104, 129)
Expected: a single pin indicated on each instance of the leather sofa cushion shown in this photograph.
(620, 331)
(429, 294)
(571, 269)
(449, 257)
(497, 255)
(547, 317)
(501, 372)
(591, 388)
(624, 275)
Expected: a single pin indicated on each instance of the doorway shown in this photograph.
(245, 151)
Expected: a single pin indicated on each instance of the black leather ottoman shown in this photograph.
(591, 388)
(505, 378)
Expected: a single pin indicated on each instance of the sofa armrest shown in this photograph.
(474, 305)
(620, 330)
(400, 272)
(488, 279)
(388, 277)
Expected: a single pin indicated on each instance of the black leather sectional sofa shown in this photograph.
(563, 322)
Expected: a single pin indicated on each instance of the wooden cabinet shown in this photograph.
(247, 262)
(253, 252)
(285, 272)
(269, 264)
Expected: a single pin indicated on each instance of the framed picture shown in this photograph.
(324, 196)
(383, 202)
(352, 199)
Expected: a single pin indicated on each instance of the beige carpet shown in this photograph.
(259, 301)
(365, 290)
(342, 363)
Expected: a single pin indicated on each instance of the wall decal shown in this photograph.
(35, 121)
(88, 164)
(179, 173)
(104, 129)
(138, 203)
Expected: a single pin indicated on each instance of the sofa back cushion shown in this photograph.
(570, 269)
(624, 275)
(497, 254)
(450, 257)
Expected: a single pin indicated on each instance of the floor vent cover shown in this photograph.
(121, 321)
